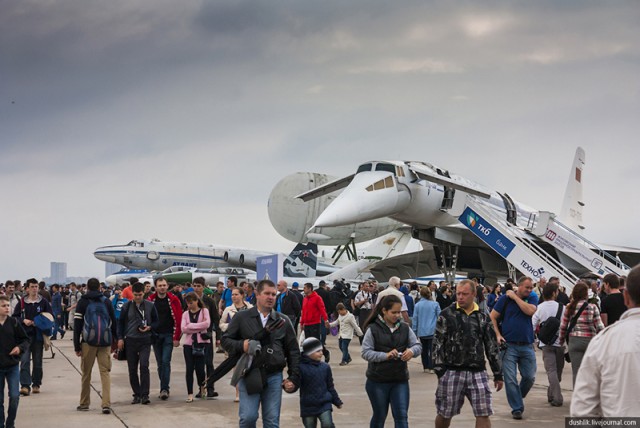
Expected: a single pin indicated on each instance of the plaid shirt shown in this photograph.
(589, 323)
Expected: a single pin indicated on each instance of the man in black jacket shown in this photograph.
(13, 342)
(287, 303)
(137, 319)
(89, 353)
(463, 336)
(278, 348)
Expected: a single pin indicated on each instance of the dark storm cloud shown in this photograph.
(115, 104)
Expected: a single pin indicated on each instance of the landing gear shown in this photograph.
(349, 248)
(512, 271)
(448, 260)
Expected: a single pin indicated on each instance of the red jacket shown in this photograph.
(176, 313)
(313, 310)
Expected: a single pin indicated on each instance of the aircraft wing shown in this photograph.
(325, 189)
(474, 260)
(427, 174)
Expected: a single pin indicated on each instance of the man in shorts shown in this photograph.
(464, 335)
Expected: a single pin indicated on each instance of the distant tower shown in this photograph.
(111, 268)
(58, 272)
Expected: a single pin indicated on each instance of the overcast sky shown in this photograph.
(140, 119)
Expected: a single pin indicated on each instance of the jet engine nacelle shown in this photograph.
(235, 258)
(292, 218)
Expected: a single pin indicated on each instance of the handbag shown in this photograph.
(197, 349)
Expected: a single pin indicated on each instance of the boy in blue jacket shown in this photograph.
(317, 392)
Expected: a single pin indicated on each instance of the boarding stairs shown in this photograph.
(546, 227)
(513, 243)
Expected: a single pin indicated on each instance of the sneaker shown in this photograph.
(136, 400)
(343, 363)
(164, 394)
(517, 415)
(211, 395)
(106, 410)
(555, 404)
(35, 390)
(24, 391)
(145, 400)
(82, 408)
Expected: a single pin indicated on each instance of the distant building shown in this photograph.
(58, 272)
(111, 268)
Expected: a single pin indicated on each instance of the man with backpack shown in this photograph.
(548, 316)
(74, 298)
(515, 310)
(94, 331)
(31, 306)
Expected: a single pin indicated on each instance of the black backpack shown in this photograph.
(550, 328)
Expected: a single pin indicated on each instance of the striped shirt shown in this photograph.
(588, 325)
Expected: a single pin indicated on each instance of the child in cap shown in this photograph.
(317, 393)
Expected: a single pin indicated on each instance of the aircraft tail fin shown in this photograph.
(390, 245)
(302, 261)
(572, 204)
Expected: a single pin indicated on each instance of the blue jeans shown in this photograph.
(57, 325)
(325, 418)
(383, 394)
(427, 342)
(522, 358)
(34, 354)
(344, 347)
(270, 398)
(163, 349)
(12, 375)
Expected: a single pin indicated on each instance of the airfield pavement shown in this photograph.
(56, 405)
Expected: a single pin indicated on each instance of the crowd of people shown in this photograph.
(264, 328)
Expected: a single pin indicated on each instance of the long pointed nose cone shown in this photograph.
(357, 204)
(103, 254)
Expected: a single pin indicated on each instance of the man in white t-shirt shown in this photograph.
(552, 354)
(394, 289)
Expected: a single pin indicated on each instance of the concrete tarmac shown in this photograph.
(56, 405)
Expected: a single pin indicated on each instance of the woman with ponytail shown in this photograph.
(580, 322)
(388, 344)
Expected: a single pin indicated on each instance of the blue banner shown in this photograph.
(485, 231)
(267, 267)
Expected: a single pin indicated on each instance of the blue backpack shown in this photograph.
(97, 324)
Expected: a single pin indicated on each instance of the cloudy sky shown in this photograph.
(141, 119)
